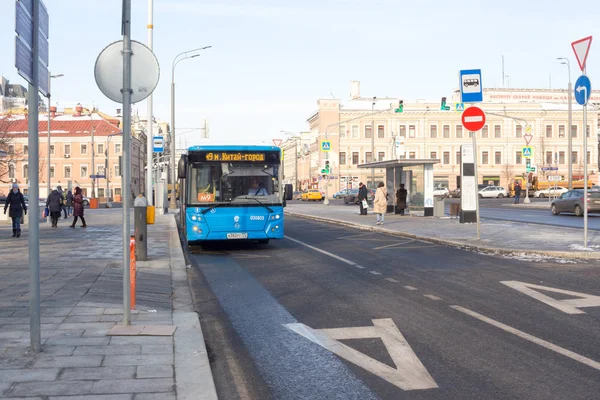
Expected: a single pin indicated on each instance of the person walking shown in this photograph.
(54, 205)
(78, 208)
(517, 192)
(380, 203)
(401, 195)
(69, 202)
(63, 206)
(15, 202)
(362, 195)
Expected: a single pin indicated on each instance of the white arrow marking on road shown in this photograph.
(580, 88)
(476, 118)
(409, 374)
(569, 306)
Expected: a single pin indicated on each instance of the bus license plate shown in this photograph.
(237, 235)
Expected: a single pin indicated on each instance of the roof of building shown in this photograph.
(62, 125)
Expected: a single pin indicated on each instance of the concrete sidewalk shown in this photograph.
(81, 300)
(496, 236)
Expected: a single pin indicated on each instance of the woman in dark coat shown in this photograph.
(54, 204)
(78, 208)
(401, 195)
(16, 202)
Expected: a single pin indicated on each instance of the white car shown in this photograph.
(550, 192)
(441, 191)
(493, 192)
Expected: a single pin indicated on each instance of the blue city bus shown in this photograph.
(231, 192)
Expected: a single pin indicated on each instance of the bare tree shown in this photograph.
(14, 157)
(507, 172)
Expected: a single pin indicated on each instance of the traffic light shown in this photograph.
(443, 106)
(400, 107)
(528, 165)
(327, 169)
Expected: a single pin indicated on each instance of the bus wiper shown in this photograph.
(211, 208)
(269, 209)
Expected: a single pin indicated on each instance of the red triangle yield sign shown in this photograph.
(582, 48)
(277, 142)
(527, 138)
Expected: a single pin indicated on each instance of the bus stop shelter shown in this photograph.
(417, 177)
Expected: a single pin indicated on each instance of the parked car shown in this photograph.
(572, 202)
(493, 192)
(297, 195)
(454, 193)
(352, 196)
(86, 201)
(341, 193)
(441, 191)
(312, 194)
(550, 192)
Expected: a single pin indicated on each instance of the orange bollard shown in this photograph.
(132, 270)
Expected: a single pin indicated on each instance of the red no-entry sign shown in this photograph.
(473, 119)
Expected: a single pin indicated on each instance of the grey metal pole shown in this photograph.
(93, 157)
(173, 202)
(296, 167)
(476, 159)
(372, 143)
(49, 141)
(35, 334)
(585, 172)
(570, 140)
(126, 182)
(150, 136)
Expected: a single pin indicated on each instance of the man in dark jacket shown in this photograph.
(517, 192)
(54, 204)
(362, 195)
(401, 195)
(16, 202)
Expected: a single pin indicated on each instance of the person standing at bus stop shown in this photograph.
(517, 192)
(362, 195)
(16, 202)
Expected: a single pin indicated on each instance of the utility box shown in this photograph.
(438, 207)
(140, 207)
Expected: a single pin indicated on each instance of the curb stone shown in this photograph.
(578, 255)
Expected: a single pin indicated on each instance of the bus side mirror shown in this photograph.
(284, 203)
(182, 167)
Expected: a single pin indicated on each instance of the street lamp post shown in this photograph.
(107, 166)
(179, 57)
(373, 141)
(565, 61)
(295, 138)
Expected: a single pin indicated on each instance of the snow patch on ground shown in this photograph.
(537, 258)
(579, 247)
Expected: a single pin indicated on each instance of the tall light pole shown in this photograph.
(565, 61)
(49, 87)
(179, 57)
(295, 138)
(373, 141)
(150, 135)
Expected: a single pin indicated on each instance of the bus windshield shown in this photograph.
(234, 183)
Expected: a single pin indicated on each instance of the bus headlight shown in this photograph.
(196, 229)
(194, 218)
(274, 217)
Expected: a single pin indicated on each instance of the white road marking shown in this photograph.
(410, 288)
(342, 259)
(391, 280)
(359, 266)
(375, 272)
(358, 235)
(432, 297)
(393, 244)
(569, 306)
(409, 374)
(531, 338)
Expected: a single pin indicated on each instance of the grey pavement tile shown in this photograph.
(56, 388)
(11, 335)
(157, 349)
(87, 310)
(119, 311)
(84, 318)
(29, 375)
(13, 362)
(95, 332)
(59, 350)
(63, 333)
(52, 320)
(155, 396)
(134, 385)
(97, 397)
(68, 361)
(79, 341)
(108, 350)
(96, 373)
(147, 359)
(154, 371)
(143, 340)
(87, 325)
(6, 313)
(111, 318)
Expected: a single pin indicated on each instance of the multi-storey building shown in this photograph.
(422, 130)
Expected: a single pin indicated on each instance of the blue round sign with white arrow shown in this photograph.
(583, 90)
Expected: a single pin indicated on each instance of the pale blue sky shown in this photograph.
(271, 60)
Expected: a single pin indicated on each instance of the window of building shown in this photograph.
(411, 131)
(67, 149)
(67, 171)
(117, 171)
(100, 192)
(342, 131)
(117, 148)
(497, 131)
(433, 154)
(446, 131)
(574, 157)
(51, 149)
(402, 131)
(561, 157)
(573, 131)
(368, 132)
(342, 158)
(26, 171)
(561, 131)
(549, 131)
(587, 131)
(25, 149)
(519, 157)
(412, 155)
(459, 131)
(100, 148)
(355, 158)
(11, 171)
(84, 149)
(381, 156)
(484, 132)
(11, 149)
(83, 171)
(498, 157)
(588, 157)
(354, 131)
(380, 131)
(519, 131)
(548, 158)
(446, 157)
(100, 170)
(433, 131)
(51, 172)
(458, 157)
(484, 157)
(117, 191)
(368, 157)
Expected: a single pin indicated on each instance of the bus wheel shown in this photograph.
(263, 241)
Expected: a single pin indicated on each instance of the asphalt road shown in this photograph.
(333, 313)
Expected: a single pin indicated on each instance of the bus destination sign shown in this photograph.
(225, 156)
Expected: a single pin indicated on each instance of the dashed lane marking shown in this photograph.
(410, 288)
(393, 244)
(432, 297)
(391, 280)
(359, 266)
(342, 259)
(375, 272)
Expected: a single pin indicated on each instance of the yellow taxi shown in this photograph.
(312, 194)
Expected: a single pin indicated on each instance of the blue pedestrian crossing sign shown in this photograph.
(459, 107)
(325, 145)
(582, 90)
(527, 152)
